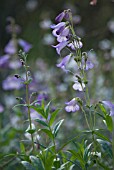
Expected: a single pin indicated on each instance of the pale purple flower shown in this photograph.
(10, 48)
(25, 45)
(11, 83)
(4, 60)
(86, 65)
(60, 46)
(64, 62)
(110, 105)
(89, 65)
(57, 28)
(41, 97)
(64, 34)
(72, 106)
(15, 64)
(78, 86)
(75, 45)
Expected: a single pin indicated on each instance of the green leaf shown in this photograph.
(77, 156)
(53, 116)
(41, 122)
(102, 136)
(22, 147)
(37, 163)
(32, 129)
(109, 123)
(48, 133)
(47, 109)
(106, 147)
(39, 110)
(72, 166)
(103, 109)
(86, 152)
(57, 127)
(69, 141)
(25, 105)
(27, 165)
(7, 159)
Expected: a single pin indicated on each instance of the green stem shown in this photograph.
(86, 118)
(28, 103)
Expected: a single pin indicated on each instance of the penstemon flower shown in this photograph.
(78, 86)
(72, 106)
(60, 46)
(64, 62)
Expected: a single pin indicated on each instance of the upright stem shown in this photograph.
(28, 103)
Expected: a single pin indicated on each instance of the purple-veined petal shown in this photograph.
(61, 38)
(65, 32)
(58, 26)
(71, 102)
(72, 106)
(60, 46)
(64, 62)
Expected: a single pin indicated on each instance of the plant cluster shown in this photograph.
(90, 148)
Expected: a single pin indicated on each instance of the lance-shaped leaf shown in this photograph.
(57, 127)
(53, 116)
(48, 132)
(40, 110)
(41, 122)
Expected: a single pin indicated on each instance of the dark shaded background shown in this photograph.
(93, 20)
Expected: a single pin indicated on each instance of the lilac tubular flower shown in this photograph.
(57, 28)
(4, 60)
(78, 86)
(11, 83)
(15, 64)
(25, 45)
(60, 46)
(11, 47)
(89, 65)
(63, 36)
(110, 105)
(72, 106)
(75, 45)
(60, 17)
(64, 62)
